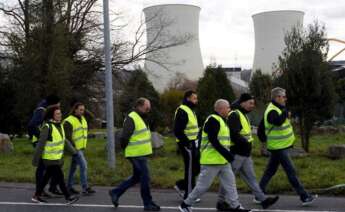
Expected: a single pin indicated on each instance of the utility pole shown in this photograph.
(108, 87)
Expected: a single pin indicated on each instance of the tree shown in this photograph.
(169, 101)
(212, 86)
(260, 87)
(139, 86)
(305, 73)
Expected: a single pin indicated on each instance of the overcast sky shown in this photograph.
(226, 26)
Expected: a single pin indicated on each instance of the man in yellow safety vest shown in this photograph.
(280, 138)
(215, 160)
(186, 130)
(136, 140)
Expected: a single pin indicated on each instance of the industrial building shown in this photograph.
(169, 23)
(270, 29)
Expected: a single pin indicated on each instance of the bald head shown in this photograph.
(222, 107)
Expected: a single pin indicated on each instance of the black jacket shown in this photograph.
(242, 146)
(212, 128)
(181, 121)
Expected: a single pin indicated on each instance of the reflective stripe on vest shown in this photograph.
(79, 134)
(53, 150)
(192, 128)
(278, 137)
(140, 141)
(209, 155)
(246, 130)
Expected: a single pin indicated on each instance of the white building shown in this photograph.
(270, 29)
(169, 23)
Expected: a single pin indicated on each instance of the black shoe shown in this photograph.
(55, 192)
(73, 191)
(72, 199)
(152, 207)
(88, 191)
(114, 199)
(269, 201)
(38, 199)
(223, 206)
(184, 207)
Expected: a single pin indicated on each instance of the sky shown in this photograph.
(226, 30)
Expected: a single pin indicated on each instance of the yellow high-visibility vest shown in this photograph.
(278, 137)
(53, 150)
(79, 133)
(140, 141)
(209, 155)
(192, 128)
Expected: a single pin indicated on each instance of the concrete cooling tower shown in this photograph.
(270, 28)
(172, 23)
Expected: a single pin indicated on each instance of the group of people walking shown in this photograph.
(50, 136)
(221, 147)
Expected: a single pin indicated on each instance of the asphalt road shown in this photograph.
(17, 198)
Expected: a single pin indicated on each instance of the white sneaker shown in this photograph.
(198, 200)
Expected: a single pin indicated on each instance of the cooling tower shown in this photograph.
(169, 24)
(270, 28)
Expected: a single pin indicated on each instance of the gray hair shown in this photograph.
(277, 91)
(220, 103)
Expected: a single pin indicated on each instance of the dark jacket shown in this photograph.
(44, 137)
(242, 146)
(128, 129)
(181, 121)
(212, 128)
(37, 119)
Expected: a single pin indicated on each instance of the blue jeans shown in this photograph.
(78, 160)
(140, 174)
(282, 157)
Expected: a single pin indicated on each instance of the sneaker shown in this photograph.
(38, 199)
(256, 201)
(114, 199)
(309, 200)
(269, 201)
(184, 207)
(224, 206)
(72, 199)
(73, 191)
(55, 192)
(179, 191)
(88, 191)
(197, 200)
(152, 207)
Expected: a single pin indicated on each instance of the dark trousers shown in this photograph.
(53, 172)
(40, 170)
(191, 162)
(140, 174)
(282, 157)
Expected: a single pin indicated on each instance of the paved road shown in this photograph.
(16, 198)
